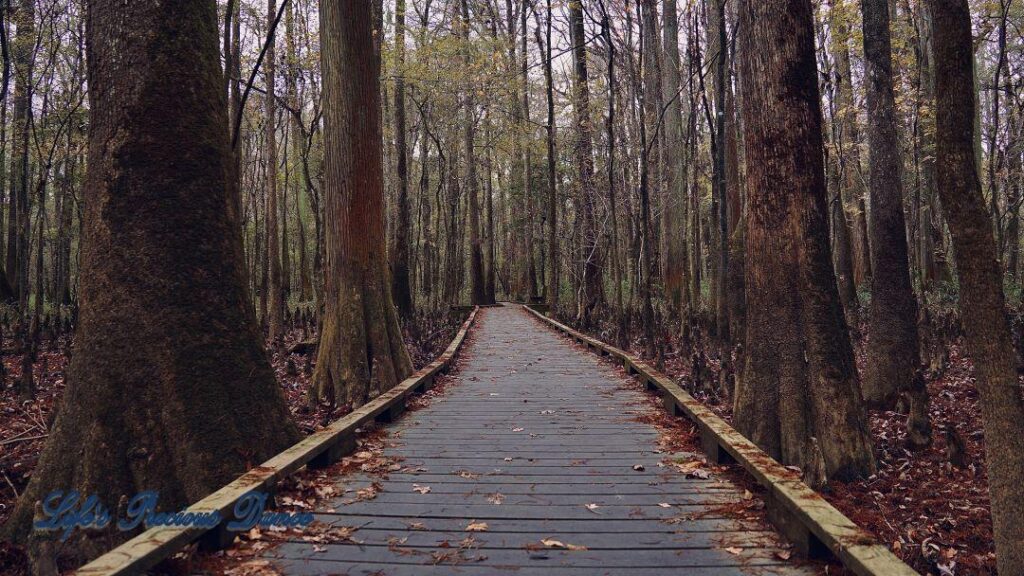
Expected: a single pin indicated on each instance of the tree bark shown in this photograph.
(893, 352)
(848, 143)
(361, 352)
(275, 294)
(401, 289)
(799, 379)
(676, 260)
(165, 336)
(982, 304)
(718, 49)
(590, 291)
(613, 95)
(478, 288)
(22, 60)
(552, 285)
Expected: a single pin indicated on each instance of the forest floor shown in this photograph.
(24, 424)
(933, 515)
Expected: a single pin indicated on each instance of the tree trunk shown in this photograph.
(893, 352)
(799, 380)
(6, 291)
(934, 266)
(613, 95)
(161, 258)
(527, 131)
(361, 351)
(22, 60)
(275, 295)
(552, 285)
(718, 53)
(649, 94)
(842, 254)
(848, 143)
(476, 252)
(590, 291)
(401, 289)
(652, 149)
(428, 256)
(676, 260)
(982, 304)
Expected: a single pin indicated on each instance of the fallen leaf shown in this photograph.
(592, 507)
(702, 474)
(517, 429)
(496, 498)
(552, 543)
(783, 554)
(638, 467)
(477, 527)
(421, 489)
(734, 550)
(664, 505)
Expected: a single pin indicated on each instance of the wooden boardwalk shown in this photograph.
(537, 440)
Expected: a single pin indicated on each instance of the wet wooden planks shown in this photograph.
(538, 441)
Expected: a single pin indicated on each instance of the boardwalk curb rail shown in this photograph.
(318, 449)
(812, 524)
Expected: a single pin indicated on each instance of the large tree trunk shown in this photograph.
(166, 336)
(848, 142)
(552, 285)
(297, 154)
(23, 65)
(799, 380)
(648, 131)
(527, 131)
(842, 254)
(518, 246)
(478, 288)
(982, 303)
(893, 352)
(613, 95)
(361, 351)
(427, 256)
(401, 289)
(275, 295)
(718, 54)
(652, 98)
(934, 265)
(676, 260)
(590, 294)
